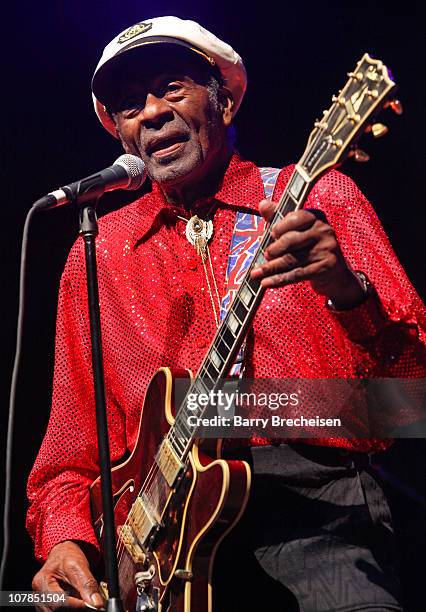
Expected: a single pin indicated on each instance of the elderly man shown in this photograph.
(317, 534)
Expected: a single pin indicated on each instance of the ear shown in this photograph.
(124, 144)
(227, 104)
(120, 137)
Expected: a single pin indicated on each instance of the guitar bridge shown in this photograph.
(131, 544)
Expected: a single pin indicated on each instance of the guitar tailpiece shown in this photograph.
(146, 602)
(142, 578)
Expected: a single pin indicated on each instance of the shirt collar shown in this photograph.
(241, 188)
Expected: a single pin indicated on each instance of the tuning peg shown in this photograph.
(396, 106)
(357, 76)
(379, 129)
(359, 155)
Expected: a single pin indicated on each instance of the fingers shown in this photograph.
(46, 583)
(304, 248)
(297, 250)
(267, 209)
(291, 241)
(295, 275)
(84, 583)
(67, 570)
(296, 220)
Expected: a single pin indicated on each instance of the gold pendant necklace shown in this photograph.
(198, 233)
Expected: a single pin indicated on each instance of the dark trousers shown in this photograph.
(316, 536)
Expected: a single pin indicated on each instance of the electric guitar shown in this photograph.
(175, 499)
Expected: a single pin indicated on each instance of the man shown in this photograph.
(317, 532)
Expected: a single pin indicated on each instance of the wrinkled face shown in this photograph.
(173, 122)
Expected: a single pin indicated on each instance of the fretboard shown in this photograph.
(235, 325)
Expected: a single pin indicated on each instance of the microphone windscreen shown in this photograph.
(135, 169)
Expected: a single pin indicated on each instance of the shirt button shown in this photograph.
(201, 343)
(192, 264)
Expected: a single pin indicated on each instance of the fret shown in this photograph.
(287, 204)
(297, 185)
(222, 348)
(240, 309)
(211, 370)
(181, 437)
(246, 295)
(233, 311)
(198, 386)
(247, 285)
(226, 336)
(182, 430)
(216, 358)
(174, 443)
(253, 285)
(192, 428)
(180, 446)
(259, 258)
(204, 372)
(193, 411)
(233, 323)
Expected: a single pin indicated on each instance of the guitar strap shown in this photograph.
(248, 231)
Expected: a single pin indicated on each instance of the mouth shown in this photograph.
(166, 145)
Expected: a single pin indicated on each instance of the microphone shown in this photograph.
(127, 172)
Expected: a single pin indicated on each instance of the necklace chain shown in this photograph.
(198, 233)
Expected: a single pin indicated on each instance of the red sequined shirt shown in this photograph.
(156, 311)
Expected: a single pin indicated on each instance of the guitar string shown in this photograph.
(162, 492)
(154, 471)
(148, 486)
(162, 497)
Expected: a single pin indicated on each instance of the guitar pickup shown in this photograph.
(169, 462)
(142, 520)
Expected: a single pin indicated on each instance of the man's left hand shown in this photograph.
(306, 248)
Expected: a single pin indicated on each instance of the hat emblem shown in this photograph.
(139, 28)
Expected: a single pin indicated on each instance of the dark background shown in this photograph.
(297, 56)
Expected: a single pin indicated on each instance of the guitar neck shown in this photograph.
(234, 326)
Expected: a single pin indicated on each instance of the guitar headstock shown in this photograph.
(333, 137)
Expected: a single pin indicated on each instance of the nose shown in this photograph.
(156, 111)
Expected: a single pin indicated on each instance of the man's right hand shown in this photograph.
(67, 568)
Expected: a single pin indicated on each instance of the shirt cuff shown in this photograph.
(364, 322)
(63, 527)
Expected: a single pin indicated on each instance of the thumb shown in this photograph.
(267, 209)
(88, 588)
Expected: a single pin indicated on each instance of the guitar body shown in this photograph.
(207, 502)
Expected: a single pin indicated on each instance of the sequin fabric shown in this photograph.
(156, 311)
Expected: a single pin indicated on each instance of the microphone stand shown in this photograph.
(89, 231)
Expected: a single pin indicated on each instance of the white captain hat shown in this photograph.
(162, 31)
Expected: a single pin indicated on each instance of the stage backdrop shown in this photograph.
(297, 55)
